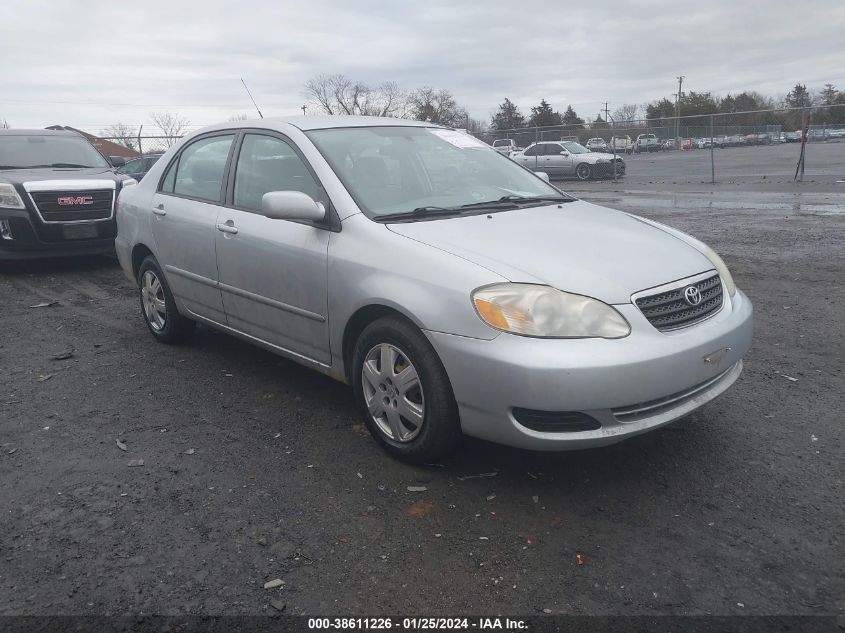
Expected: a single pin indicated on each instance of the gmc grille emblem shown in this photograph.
(66, 201)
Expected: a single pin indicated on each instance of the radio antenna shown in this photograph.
(250, 96)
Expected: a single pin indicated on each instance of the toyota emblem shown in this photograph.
(692, 295)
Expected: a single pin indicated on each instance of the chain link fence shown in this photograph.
(673, 142)
(142, 145)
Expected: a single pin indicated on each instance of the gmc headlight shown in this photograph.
(545, 312)
(9, 198)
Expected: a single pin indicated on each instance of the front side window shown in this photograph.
(28, 151)
(269, 164)
(575, 148)
(199, 170)
(534, 150)
(400, 169)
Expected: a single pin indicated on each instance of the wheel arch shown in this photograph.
(356, 323)
(139, 253)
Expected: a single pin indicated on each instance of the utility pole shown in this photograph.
(678, 108)
(303, 110)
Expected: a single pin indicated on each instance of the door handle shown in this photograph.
(159, 210)
(228, 227)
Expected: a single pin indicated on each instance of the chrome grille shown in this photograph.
(669, 310)
(47, 203)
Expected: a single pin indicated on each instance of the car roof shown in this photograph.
(37, 132)
(320, 122)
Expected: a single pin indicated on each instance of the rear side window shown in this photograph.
(265, 164)
(199, 171)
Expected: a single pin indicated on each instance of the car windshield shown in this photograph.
(576, 148)
(42, 150)
(400, 169)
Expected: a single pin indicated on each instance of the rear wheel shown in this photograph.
(158, 305)
(583, 171)
(403, 392)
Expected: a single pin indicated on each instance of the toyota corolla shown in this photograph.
(457, 292)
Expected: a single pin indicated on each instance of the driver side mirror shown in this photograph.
(117, 161)
(564, 153)
(291, 205)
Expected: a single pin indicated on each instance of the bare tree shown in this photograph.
(626, 113)
(121, 134)
(238, 117)
(436, 106)
(171, 124)
(338, 94)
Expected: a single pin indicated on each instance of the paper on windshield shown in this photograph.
(458, 139)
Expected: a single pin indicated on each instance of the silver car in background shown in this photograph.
(457, 292)
(567, 159)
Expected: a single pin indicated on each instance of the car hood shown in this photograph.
(20, 176)
(592, 157)
(578, 247)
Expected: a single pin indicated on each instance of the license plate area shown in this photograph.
(79, 231)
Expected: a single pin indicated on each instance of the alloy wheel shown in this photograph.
(152, 297)
(393, 392)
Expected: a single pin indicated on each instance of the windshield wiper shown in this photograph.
(419, 212)
(513, 202)
(68, 165)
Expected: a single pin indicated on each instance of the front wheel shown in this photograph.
(403, 392)
(583, 171)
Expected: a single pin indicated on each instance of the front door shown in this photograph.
(273, 273)
(185, 212)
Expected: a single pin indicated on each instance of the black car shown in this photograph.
(137, 168)
(57, 195)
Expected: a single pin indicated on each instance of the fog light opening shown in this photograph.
(6, 230)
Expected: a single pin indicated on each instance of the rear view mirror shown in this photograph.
(117, 161)
(543, 175)
(291, 205)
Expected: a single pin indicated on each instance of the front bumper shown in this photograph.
(630, 385)
(32, 239)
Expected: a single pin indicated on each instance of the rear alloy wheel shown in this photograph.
(583, 171)
(158, 306)
(403, 392)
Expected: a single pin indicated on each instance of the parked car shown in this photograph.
(688, 144)
(505, 146)
(464, 296)
(565, 159)
(573, 139)
(622, 144)
(836, 133)
(57, 195)
(668, 144)
(597, 144)
(646, 143)
(792, 137)
(137, 168)
(704, 143)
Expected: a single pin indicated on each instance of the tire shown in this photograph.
(583, 171)
(168, 326)
(417, 421)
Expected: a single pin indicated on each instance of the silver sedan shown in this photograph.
(567, 159)
(455, 291)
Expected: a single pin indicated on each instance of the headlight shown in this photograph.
(602, 160)
(545, 312)
(9, 198)
(724, 273)
(701, 247)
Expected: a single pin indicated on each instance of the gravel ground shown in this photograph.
(256, 469)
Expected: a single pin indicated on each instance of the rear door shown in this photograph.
(185, 210)
(274, 273)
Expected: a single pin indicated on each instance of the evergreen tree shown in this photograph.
(508, 117)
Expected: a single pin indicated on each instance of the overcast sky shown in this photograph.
(90, 63)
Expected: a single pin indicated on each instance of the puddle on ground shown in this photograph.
(737, 202)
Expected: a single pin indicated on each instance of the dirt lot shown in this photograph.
(256, 469)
